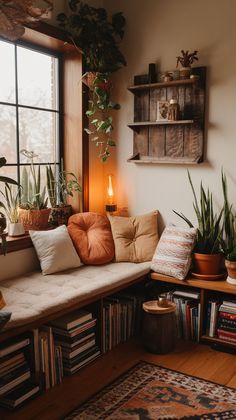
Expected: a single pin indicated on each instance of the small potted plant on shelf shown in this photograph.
(11, 209)
(33, 209)
(186, 60)
(228, 240)
(3, 220)
(97, 36)
(59, 187)
(207, 255)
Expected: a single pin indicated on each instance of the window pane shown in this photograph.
(8, 133)
(10, 171)
(43, 179)
(37, 79)
(7, 72)
(38, 133)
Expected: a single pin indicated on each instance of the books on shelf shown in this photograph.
(19, 395)
(187, 315)
(13, 346)
(72, 320)
(71, 366)
(226, 335)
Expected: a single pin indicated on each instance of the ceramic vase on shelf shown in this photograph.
(15, 229)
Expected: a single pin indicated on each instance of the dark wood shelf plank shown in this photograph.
(165, 160)
(178, 82)
(150, 123)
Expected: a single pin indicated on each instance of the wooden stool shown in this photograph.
(159, 327)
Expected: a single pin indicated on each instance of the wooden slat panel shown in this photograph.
(141, 106)
(141, 141)
(156, 134)
(174, 141)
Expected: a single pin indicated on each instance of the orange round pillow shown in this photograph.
(92, 237)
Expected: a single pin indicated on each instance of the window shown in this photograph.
(29, 106)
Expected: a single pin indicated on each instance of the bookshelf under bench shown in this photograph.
(212, 295)
(62, 343)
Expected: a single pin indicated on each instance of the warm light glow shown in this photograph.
(110, 191)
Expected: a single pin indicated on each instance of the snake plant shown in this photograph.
(209, 223)
(228, 239)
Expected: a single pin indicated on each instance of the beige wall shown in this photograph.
(156, 32)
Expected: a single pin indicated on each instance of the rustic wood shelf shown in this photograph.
(178, 82)
(153, 123)
(164, 160)
(173, 142)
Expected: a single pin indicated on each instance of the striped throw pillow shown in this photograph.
(173, 252)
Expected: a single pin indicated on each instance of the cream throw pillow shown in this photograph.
(55, 250)
(135, 238)
(173, 253)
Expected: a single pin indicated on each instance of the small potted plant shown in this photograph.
(33, 209)
(59, 188)
(11, 209)
(3, 220)
(186, 60)
(228, 240)
(207, 256)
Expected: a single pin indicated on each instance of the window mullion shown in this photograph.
(17, 118)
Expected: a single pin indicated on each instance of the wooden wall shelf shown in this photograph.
(136, 88)
(179, 142)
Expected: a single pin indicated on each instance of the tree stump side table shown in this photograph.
(159, 327)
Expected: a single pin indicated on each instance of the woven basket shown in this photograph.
(34, 219)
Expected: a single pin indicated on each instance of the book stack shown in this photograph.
(227, 321)
(74, 334)
(15, 374)
(121, 319)
(187, 314)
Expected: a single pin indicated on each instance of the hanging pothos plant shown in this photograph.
(98, 37)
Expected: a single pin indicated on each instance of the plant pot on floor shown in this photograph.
(60, 215)
(231, 269)
(207, 264)
(34, 219)
(15, 229)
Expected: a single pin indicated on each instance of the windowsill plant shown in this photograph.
(59, 187)
(3, 220)
(207, 256)
(33, 209)
(98, 39)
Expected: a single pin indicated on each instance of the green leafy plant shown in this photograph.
(209, 223)
(228, 238)
(59, 187)
(101, 122)
(187, 58)
(96, 34)
(11, 203)
(33, 196)
(6, 178)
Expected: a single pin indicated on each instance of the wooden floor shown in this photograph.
(190, 358)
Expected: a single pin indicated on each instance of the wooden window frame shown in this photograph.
(74, 100)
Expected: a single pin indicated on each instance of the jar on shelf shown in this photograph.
(173, 110)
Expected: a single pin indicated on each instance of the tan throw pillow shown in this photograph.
(173, 253)
(135, 237)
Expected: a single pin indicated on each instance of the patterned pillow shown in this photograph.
(173, 252)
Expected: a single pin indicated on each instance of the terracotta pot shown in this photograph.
(34, 219)
(207, 263)
(60, 215)
(231, 269)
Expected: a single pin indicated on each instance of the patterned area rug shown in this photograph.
(150, 392)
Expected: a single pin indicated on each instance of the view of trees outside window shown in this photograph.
(29, 107)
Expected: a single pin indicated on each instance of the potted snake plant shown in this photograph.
(33, 209)
(207, 255)
(10, 205)
(228, 240)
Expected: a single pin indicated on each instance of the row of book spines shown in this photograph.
(219, 316)
(188, 318)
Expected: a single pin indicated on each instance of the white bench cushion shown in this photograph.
(33, 295)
